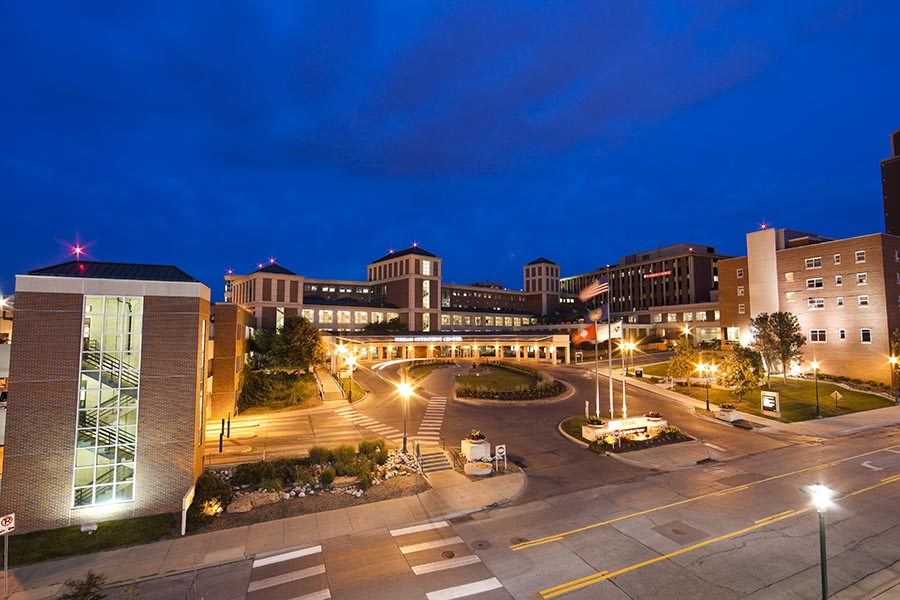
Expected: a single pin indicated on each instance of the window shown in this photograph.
(701, 316)
(842, 333)
(840, 300)
(837, 259)
(863, 300)
(489, 321)
(467, 321)
(392, 315)
(309, 314)
(740, 290)
(860, 256)
(507, 321)
(361, 317)
(865, 336)
(671, 318)
(838, 280)
(862, 279)
(445, 319)
(789, 276)
(279, 317)
(477, 321)
(326, 316)
(815, 282)
(688, 317)
(816, 335)
(740, 309)
(898, 278)
(657, 318)
(426, 322)
(377, 317)
(426, 267)
(814, 263)
(517, 321)
(716, 317)
(815, 303)
(457, 320)
(740, 273)
(789, 296)
(106, 424)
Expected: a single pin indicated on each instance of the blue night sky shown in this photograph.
(217, 134)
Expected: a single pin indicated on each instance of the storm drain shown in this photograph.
(448, 554)
(481, 545)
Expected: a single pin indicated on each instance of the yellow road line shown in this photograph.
(559, 536)
(582, 582)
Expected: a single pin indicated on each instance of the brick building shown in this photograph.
(106, 397)
(232, 328)
(845, 294)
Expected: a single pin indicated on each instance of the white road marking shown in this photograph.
(714, 447)
(286, 578)
(869, 465)
(430, 545)
(462, 591)
(419, 528)
(443, 565)
(270, 560)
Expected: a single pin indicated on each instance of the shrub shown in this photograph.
(475, 435)
(286, 468)
(253, 473)
(653, 415)
(375, 450)
(726, 406)
(595, 420)
(211, 496)
(326, 477)
(319, 455)
(344, 453)
(271, 485)
(668, 432)
(302, 475)
(85, 589)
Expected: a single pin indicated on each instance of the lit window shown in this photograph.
(377, 317)
(861, 279)
(445, 319)
(716, 316)
(815, 303)
(361, 317)
(426, 267)
(392, 315)
(477, 321)
(671, 318)
(815, 282)
(279, 317)
(816, 335)
(789, 296)
(467, 321)
(517, 321)
(865, 336)
(814, 263)
(863, 300)
(740, 290)
(507, 321)
(457, 320)
(789, 276)
(701, 316)
(688, 316)
(489, 321)
(326, 316)
(860, 256)
(657, 318)
(308, 314)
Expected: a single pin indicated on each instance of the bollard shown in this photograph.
(221, 437)
(228, 435)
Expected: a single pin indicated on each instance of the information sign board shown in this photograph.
(771, 404)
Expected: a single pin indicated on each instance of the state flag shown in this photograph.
(614, 330)
(584, 333)
(596, 288)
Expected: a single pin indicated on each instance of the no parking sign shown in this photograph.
(7, 523)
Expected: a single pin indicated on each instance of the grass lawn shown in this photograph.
(797, 398)
(358, 392)
(572, 426)
(423, 370)
(70, 541)
(495, 378)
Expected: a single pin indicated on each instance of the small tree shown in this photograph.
(789, 340)
(741, 370)
(298, 345)
(684, 362)
(85, 589)
(394, 325)
(764, 341)
(260, 346)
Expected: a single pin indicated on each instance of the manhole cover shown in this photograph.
(448, 554)
(481, 545)
(677, 531)
(518, 540)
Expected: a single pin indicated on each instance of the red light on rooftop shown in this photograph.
(271, 260)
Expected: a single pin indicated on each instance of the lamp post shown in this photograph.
(351, 362)
(893, 361)
(822, 497)
(405, 390)
(815, 366)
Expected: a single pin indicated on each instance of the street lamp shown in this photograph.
(351, 362)
(821, 497)
(405, 390)
(705, 369)
(892, 360)
(815, 366)
(687, 335)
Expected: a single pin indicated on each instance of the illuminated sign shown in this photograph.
(660, 274)
(428, 338)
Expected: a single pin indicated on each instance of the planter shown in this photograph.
(476, 449)
(594, 432)
(479, 469)
(728, 414)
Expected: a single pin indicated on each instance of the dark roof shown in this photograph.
(108, 270)
(542, 260)
(275, 268)
(413, 250)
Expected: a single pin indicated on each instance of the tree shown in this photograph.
(764, 341)
(786, 329)
(741, 370)
(394, 325)
(684, 362)
(260, 346)
(298, 345)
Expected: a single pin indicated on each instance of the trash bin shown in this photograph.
(638, 372)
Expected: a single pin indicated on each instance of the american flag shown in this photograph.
(594, 289)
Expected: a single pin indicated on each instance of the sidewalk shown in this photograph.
(453, 495)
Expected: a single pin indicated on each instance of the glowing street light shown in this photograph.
(822, 497)
(351, 362)
(815, 366)
(405, 390)
(892, 360)
(705, 368)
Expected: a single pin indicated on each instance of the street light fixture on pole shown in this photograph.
(405, 391)
(351, 362)
(822, 497)
(815, 366)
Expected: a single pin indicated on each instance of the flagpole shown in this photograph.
(597, 357)
(612, 410)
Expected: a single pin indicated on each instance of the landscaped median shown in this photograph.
(623, 435)
(506, 381)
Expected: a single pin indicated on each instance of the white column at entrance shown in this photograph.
(553, 355)
(452, 351)
(497, 354)
(568, 354)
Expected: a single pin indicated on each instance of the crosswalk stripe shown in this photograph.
(322, 595)
(461, 591)
(286, 578)
(443, 565)
(429, 545)
(419, 528)
(286, 556)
